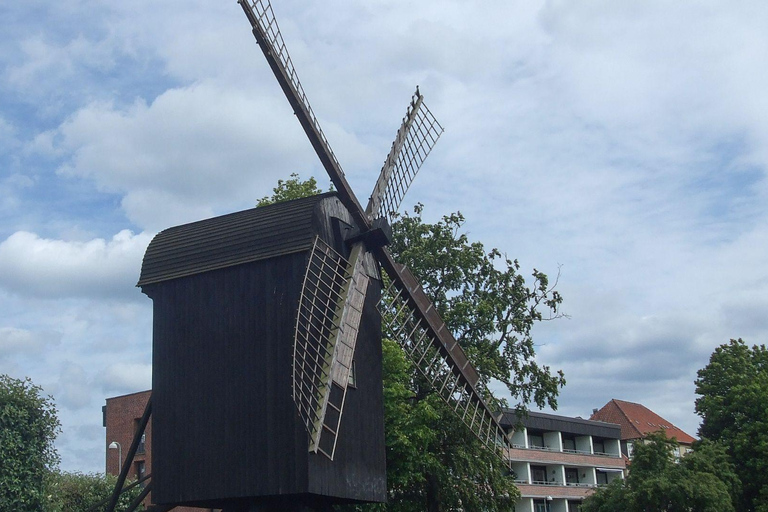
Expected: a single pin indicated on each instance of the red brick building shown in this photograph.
(122, 415)
(121, 419)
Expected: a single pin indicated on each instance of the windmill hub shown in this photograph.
(380, 235)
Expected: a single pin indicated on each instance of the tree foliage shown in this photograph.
(79, 492)
(700, 482)
(733, 405)
(292, 188)
(484, 301)
(434, 462)
(28, 428)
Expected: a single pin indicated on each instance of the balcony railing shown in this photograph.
(566, 450)
(560, 484)
(542, 482)
(543, 448)
(580, 452)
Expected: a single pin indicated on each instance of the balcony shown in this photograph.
(546, 455)
(555, 489)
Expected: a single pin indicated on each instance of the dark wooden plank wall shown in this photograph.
(358, 470)
(224, 421)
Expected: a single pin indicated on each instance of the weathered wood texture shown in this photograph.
(226, 432)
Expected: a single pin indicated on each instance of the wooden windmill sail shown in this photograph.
(413, 320)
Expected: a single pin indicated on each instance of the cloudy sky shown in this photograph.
(624, 143)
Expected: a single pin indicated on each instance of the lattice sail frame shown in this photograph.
(264, 19)
(422, 347)
(327, 323)
(316, 323)
(413, 142)
(344, 350)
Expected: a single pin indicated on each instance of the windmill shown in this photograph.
(265, 319)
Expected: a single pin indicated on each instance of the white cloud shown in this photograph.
(8, 136)
(192, 151)
(45, 62)
(122, 378)
(41, 267)
(10, 189)
(23, 341)
(73, 389)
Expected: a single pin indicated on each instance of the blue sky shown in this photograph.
(624, 144)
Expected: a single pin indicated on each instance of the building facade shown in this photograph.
(637, 421)
(121, 417)
(557, 461)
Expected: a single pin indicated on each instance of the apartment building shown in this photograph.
(557, 461)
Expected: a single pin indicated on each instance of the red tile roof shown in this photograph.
(637, 421)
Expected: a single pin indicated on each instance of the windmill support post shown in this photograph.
(138, 499)
(102, 503)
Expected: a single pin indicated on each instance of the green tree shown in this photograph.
(434, 462)
(28, 428)
(700, 482)
(487, 305)
(293, 188)
(484, 301)
(79, 492)
(733, 405)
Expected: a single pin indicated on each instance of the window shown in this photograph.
(571, 476)
(630, 449)
(569, 443)
(141, 471)
(142, 444)
(535, 441)
(539, 474)
(142, 447)
(540, 506)
(598, 446)
(602, 477)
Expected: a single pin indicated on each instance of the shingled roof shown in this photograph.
(228, 240)
(637, 421)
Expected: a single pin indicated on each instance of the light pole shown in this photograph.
(112, 446)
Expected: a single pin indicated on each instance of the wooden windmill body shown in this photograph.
(226, 429)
